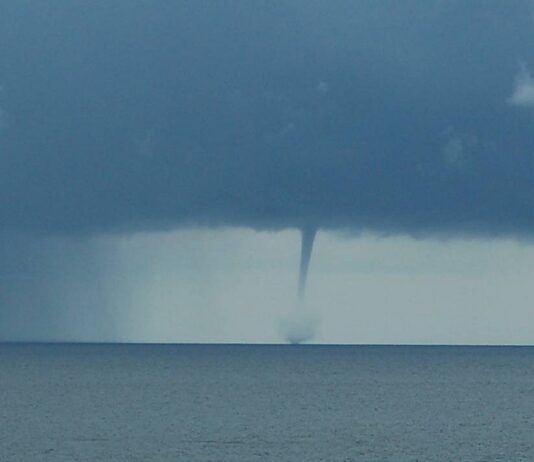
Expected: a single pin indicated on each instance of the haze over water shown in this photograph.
(86, 402)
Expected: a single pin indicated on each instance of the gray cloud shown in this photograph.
(128, 116)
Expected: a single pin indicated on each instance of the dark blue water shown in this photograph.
(246, 403)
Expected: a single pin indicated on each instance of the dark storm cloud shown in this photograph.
(407, 116)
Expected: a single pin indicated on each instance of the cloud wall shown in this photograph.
(127, 116)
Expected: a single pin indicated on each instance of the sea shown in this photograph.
(126, 402)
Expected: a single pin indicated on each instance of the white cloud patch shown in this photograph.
(523, 94)
(458, 149)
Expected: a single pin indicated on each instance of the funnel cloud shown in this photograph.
(308, 236)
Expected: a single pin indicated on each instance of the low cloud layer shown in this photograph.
(126, 116)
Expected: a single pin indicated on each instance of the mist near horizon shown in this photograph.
(237, 285)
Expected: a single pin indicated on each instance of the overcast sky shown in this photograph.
(158, 159)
